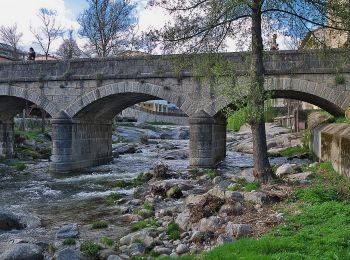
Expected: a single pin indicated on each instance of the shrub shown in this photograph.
(339, 79)
(99, 224)
(173, 231)
(89, 248)
(148, 206)
(107, 241)
(21, 167)
(211, 173)
(124, 184)
(69, 241)
(114, 196)
(144, 224)
(252, 186)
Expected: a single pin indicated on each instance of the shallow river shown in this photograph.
(80, 197)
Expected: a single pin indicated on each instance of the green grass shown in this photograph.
(106, 241)
(127, 184)
(317, 224)
(238, 119)
(35, 135)
(173, 231)
(89, 248)
(69, 241)
(138, 180)
(249, 186)
(342, 120)
(113, 197)
(294, 151)
(99, 224)
(124, 184)
(144, 224)
(148, 206)
(20, 166)
(339, 79)
(211, 173)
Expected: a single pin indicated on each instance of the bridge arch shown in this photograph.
(333, 101)
(107, 101)
(14, 95)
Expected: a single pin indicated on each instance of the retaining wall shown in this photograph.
(331, 142)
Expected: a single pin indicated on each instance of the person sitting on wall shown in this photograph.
(31, 54)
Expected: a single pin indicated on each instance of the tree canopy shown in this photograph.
(107, 25)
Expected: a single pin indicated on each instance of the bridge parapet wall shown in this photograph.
(165, 66)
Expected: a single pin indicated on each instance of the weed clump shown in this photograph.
(89, 248)
(173, 231)
(99, 224)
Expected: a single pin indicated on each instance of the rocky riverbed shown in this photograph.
(146, 202)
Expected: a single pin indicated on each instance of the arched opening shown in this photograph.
(23, 125)
(89, 122)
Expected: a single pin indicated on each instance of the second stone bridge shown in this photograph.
(83, 96)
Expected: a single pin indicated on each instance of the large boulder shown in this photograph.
(9, 221)
(23, 252)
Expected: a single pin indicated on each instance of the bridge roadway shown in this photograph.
(82, 97)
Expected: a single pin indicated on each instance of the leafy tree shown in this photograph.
(107, 25)
(207, 25)
(49, 30)
(11, 36)
(69, 48)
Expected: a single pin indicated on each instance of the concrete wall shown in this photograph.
(331, 142)
(142, 116)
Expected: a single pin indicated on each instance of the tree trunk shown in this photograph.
(262, 168)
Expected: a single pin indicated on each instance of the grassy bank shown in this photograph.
(317, 224)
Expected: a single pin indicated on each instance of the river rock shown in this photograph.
(68, 231)
(144, 236)
(238, 230)
(231, 209)
(184, 219)
(137, 249)
(174, 192)
(211, 224)
(23, 252)
(182, 249)
(160, 170)
(299, 176)
(256, 197)
(67, 254)
(122, 148)
(9, 221)
(222, 239)
(162, 250)
(114, 257)
(105, 253)
(285, 169)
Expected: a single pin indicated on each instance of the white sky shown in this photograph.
(23, 12)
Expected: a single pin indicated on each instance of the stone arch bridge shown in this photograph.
(83, 96)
